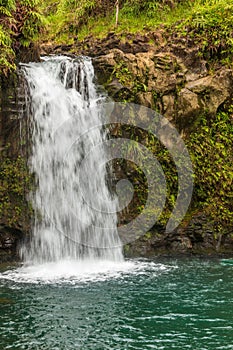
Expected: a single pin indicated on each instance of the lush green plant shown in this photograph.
(66, 18)
(7, 54)
(136, 7)
(211, 150)
(20, 24)
(210, 146)
(138, 178)
(211, 24)
(6, 51)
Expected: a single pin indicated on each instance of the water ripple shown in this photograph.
(140, 305)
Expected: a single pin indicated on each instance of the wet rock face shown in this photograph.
(27, 54)
(9, 243)
(147, 69)
(12, 99)
(196, 238)
(14, 145)
(94, 47)
(15, 217)
(173, 79)
(13, 123)
(167, 82)
(159, 71)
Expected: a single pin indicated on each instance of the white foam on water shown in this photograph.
(71, 202)
(75, 272)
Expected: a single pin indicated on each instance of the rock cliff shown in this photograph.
(169, 76)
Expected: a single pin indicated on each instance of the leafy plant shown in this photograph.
(212, 23)
(211, 149)
(20, 24)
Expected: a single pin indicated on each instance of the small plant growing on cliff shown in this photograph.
(211, 149)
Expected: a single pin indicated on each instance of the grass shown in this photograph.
(63, 28)
(208, 22)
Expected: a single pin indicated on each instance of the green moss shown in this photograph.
(148, 235)
(15, 184)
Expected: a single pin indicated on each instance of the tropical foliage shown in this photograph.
(208, 24)
(211, 148)
(20, 23)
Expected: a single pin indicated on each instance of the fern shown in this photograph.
(7, 5)
(20, 24)
(5, 40)
(4, 11)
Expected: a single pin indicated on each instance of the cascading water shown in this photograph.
(75, 214)
(74, 237)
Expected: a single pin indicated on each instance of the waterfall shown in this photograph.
(75, 213)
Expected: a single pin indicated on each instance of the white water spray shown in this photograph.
(75, 213)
